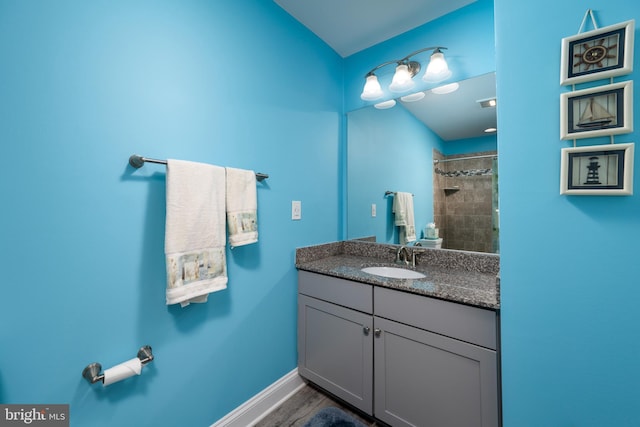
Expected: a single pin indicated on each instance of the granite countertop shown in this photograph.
(470, 278)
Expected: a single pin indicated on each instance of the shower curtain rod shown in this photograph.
(138, 161)
(436, 161)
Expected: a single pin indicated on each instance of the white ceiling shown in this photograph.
(349, 26)
(458, 115)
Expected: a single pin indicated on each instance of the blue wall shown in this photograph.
(83, 85)
(388, 150)
(569, 264)
(471, 145)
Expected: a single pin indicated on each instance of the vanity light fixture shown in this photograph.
(406, 69)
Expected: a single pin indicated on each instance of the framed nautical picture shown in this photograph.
(605, 170)
(598, 111)
(598, 54)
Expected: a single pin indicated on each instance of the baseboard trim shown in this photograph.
(260, 405)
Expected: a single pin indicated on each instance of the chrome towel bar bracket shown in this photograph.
(137, 162)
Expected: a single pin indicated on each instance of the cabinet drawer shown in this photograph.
(355, 295)
(470, 324)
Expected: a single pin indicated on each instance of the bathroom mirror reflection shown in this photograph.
(392, 150)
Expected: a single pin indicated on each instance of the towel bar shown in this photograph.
(137, 162)
(92, 372)
(388, 193)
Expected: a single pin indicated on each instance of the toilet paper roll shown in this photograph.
(124, 370)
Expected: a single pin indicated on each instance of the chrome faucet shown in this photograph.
(402, 255)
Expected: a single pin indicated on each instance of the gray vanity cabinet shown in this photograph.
(423, 377)
(421, 361)
(335, 337)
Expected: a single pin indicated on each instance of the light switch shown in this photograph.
(373, 210)
(296, 210)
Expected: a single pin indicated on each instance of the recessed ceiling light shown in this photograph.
(487, 103)
(490, 130)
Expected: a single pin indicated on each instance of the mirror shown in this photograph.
(391, 150)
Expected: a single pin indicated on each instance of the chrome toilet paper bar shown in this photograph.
(92, 372)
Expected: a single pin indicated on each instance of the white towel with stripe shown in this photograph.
(242, 207)
(195, 231)
(404, 216)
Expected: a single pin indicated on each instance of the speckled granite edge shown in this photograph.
(442, 258)
(336, 259)
(316, 252)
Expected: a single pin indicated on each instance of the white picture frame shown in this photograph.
(598, 111)
(601, 170)
(598, 54)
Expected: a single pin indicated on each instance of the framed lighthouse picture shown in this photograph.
(602, 53)
(598, 111)
(605, 170)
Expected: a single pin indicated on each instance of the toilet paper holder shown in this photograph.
(92, 372)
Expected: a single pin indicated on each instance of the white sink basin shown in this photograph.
(394, 272)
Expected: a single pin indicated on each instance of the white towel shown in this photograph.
(404, 218)
(195, 234)
(242, 207)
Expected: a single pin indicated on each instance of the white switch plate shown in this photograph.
(296, 209)
(373, 210)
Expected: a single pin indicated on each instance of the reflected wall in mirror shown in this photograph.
(393, 150)
(465, 192)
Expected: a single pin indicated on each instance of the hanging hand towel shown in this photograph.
(403, 210)
(242, 207)
(195, 234)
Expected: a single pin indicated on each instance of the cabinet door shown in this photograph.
(335, 350)
(425, 379)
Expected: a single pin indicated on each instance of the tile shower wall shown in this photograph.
(463, 202)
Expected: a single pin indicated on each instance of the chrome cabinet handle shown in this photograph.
(377, 332)
(366, 330)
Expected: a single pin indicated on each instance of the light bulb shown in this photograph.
(437, 70)
(402, 80)
(372, 89)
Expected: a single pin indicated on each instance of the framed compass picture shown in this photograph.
(598, 111)
(598, 54)
(605, 170)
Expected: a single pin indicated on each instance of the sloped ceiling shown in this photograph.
(349, 26)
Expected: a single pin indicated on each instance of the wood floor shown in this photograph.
(297, 410)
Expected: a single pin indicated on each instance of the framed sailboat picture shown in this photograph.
(605, 170)
(602, 53)
(598, 111)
